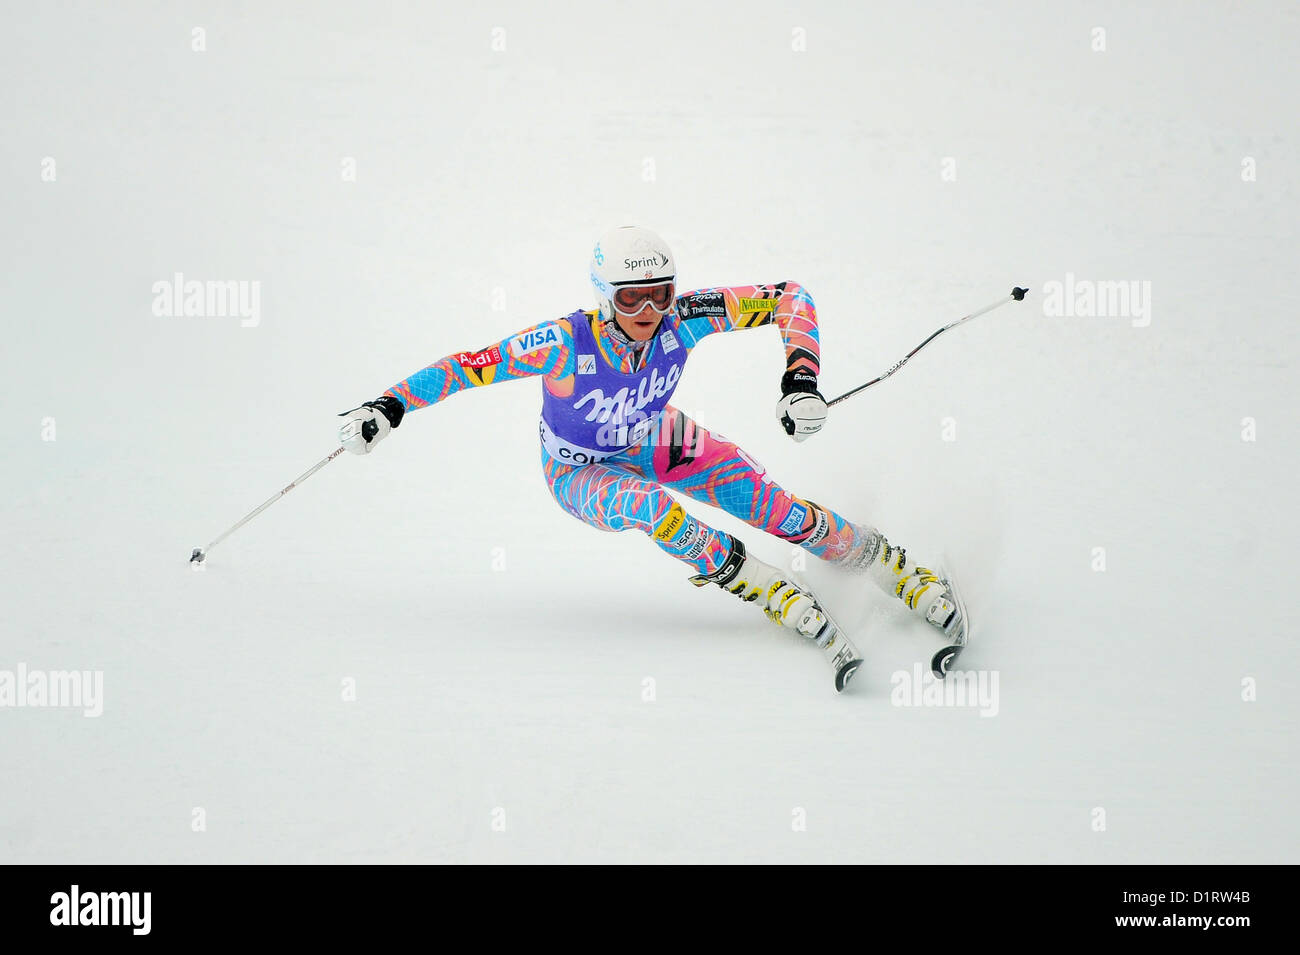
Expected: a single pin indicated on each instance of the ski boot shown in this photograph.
(930, 594)
(786, 603)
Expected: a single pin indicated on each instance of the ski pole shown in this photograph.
(202, 552)
(1017, 294)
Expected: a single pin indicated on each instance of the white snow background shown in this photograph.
(500, 649)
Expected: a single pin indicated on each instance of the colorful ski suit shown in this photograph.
(613, 447)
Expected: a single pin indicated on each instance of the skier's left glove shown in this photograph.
(368, 425)
(802, 409)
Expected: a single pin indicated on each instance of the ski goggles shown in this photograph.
(632, 299)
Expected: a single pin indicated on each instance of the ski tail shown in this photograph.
(942, 663)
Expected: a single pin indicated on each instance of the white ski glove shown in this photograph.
(366, 426)
(802, 409)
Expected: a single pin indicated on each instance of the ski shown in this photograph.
(843, 657)
(837, 648)
(830, 637)
(942, 662)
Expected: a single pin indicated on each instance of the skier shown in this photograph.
(612, 447)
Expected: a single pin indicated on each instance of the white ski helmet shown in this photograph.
(628, 255)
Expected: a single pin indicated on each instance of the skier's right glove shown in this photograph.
(366, 426)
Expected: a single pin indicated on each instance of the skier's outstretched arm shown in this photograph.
(545, 349)
(801, 410)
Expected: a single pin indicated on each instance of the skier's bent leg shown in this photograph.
(611, 499)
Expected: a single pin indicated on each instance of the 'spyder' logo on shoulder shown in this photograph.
(543, 336)
(702, 304)
(586, 364)
(480, 359)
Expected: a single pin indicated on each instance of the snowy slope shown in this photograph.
(499, 648)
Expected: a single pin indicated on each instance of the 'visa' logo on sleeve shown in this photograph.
(544, 336)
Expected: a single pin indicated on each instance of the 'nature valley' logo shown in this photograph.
(758, 304)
